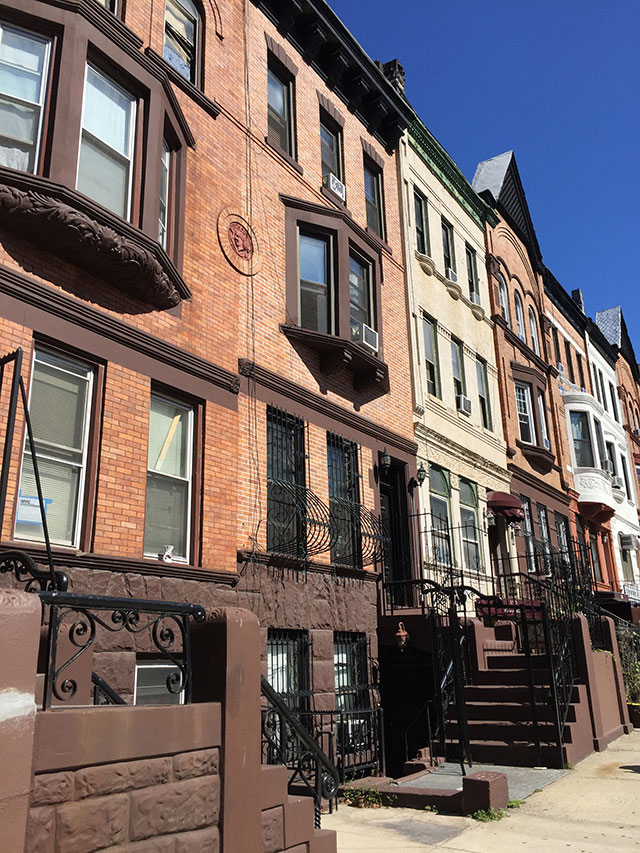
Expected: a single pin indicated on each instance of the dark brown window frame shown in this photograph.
(536, 453)
(197, 405)
(79, 38)
(280, 64)
(347, 237)
(89, 496)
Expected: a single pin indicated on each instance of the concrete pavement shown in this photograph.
(594, 808)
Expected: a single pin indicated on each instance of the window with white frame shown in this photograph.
(519, 316)
(447, 247)
(469, 524)
(181, 22)
(156, 683)
(105, 163)
(430, 332)
(472, 274)
(350, 671)
(457, 365)
(439, 497)
(169, 479)
(581, 435)
(533, 328)
(504, 300)
(421, 226)
(165, 183)
(602, 451)
(527, 529)
(524, 408)
(483, 393)
(542, 414)
(625, 476)
(60, 408)
(24, 70)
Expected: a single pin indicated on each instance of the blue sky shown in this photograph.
(557, 81)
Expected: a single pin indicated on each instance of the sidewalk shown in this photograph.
(593, 809)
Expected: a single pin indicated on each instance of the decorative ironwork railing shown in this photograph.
(77, 622)
(23, 568)
(288, 740)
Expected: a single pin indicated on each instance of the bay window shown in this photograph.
(316, 296)
(525, 413)
(105, 164)
(360, 296)
(24, 69)
(165, 186)
(581, 435)
(169, 479)
(60, 408)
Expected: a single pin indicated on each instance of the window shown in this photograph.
(595, 383)
(595, 555)
(525, 413)
(625, 476)
(350, 671)
(638, 476)
(602, 452)
(107, 143)
(564, 536)
(330, 148)
(60, 407)
(288, 667)
(439, 492)
(422, 230)
(447, 247)
(483, 393)
(165, 176)
(344, 495)
(504, 300)
(472, 274)
(580, 371)
(533, 328)
(556, 345)
(519, 316)
(627, 562)
(544, 435)
(611, 456)
(152, 682)
(373, 198)
(469, 521)
(527, 528)
(24, 69)
(110, 5)
(543, 524)
(603, 393)
(429, 329)
(360, 296)
(582, 439)
(570, 373)
(180, 36)
(457, 364)
(286, 533)
(614, 402)
(169, 479)
(280, 108)
(316, 294)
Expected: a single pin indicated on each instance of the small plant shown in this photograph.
(515, 804)
(363, 797)
(569, 765)
(431, 809)
(487, 815)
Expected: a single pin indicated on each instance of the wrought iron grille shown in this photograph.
(286, 482)
(288, 667)
(344, 501)
(350, 655)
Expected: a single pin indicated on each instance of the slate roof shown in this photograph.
(610, 324)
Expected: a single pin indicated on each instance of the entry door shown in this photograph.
(393, 510)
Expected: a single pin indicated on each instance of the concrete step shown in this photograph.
(516, 661)
(298, 821)
(274, 780)
(323, 841)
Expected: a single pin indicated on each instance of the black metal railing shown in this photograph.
(103, 692)
(77, 623)
(286, 740)
(628, 636)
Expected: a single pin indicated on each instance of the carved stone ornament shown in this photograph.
(70, 233)
(238, 242)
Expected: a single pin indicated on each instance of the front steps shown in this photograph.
(287, 822)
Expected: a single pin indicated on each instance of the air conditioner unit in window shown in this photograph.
(627, 542)
(369, 338)
(607, 466)
(452, 275)
(464, 404)
(618, 483)
(475, 297)
(335, 185)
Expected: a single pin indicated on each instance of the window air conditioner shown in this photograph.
(475, 297)
(618, 483)
(369, 338)
(452, 275)
(607, 466)
(335, 185)
(464, 404)
(626, 542)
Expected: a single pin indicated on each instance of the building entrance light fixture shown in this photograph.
(402, 636)
(421, 474)
(385, 461)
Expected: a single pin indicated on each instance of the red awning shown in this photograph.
(502, 503)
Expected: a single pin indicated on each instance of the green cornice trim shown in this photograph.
(449, 175)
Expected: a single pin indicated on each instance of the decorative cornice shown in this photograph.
(449, 175)
(82, 232)
(456, 451)
(326, 44)
(59, 304)
(305, 397)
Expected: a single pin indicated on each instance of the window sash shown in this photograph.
(543, 420)
(447, 246)
(62, 466)
(18, 151)
(457, 364)
(360, 296)
(279, 110)
(177, 484)
(525, 414)
(330, 153)
(373, 199)
(519, 316)
(483, 393)
(316, 297)
(504, 301)
(472, 271)
(582, 444)
(533, 327)
(422, 234)
(165, 178)
(431, 356)
(180, 34)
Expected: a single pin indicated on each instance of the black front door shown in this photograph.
(393, 511)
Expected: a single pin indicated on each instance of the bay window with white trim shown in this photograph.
(24, 69)
(107, 143)
(60, 407)
(169, 479)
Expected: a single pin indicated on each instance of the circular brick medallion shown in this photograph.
(238, 242)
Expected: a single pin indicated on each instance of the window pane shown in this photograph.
(372, 200)
(22, 64)
(58, 404)
(108, 112)
(166, 515)
(18, 134)
(359, 297)
(279, 119)
(180, 37)
(438, 482)
(151, 685)
(169, 426)
(525, 415)
(165, 166)
(329, 152)
(467, 494)
(59, 481)
(314, 289)
(104, 177)
(582, 439)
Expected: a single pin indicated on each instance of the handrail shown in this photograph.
(102, 686)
